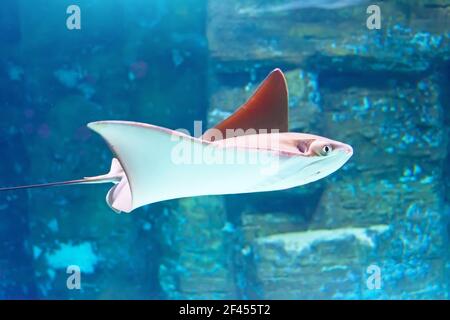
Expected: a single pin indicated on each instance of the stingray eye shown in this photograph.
(326, 149)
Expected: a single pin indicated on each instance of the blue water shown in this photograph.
(375, 229)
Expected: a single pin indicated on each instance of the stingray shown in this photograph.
(250, 151)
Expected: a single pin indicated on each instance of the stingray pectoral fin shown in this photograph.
(145, 153)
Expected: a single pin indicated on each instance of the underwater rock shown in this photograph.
(257, 224)
(336, 264)
(408, 42)
(398, 134)
(196, 250)
(319, 264)
(395, 176)
(379, 90)
(304, 101)
(294, 5)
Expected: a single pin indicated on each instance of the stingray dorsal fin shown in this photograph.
(266, 109)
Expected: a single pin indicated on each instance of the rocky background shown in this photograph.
(384, 91)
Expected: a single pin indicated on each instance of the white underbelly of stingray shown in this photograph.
(187, 180)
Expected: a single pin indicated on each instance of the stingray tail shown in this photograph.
(56, 184)
(114, 176)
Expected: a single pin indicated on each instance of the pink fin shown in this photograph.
(266, 109)
(119, 197)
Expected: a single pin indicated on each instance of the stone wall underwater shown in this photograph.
(383, 91)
